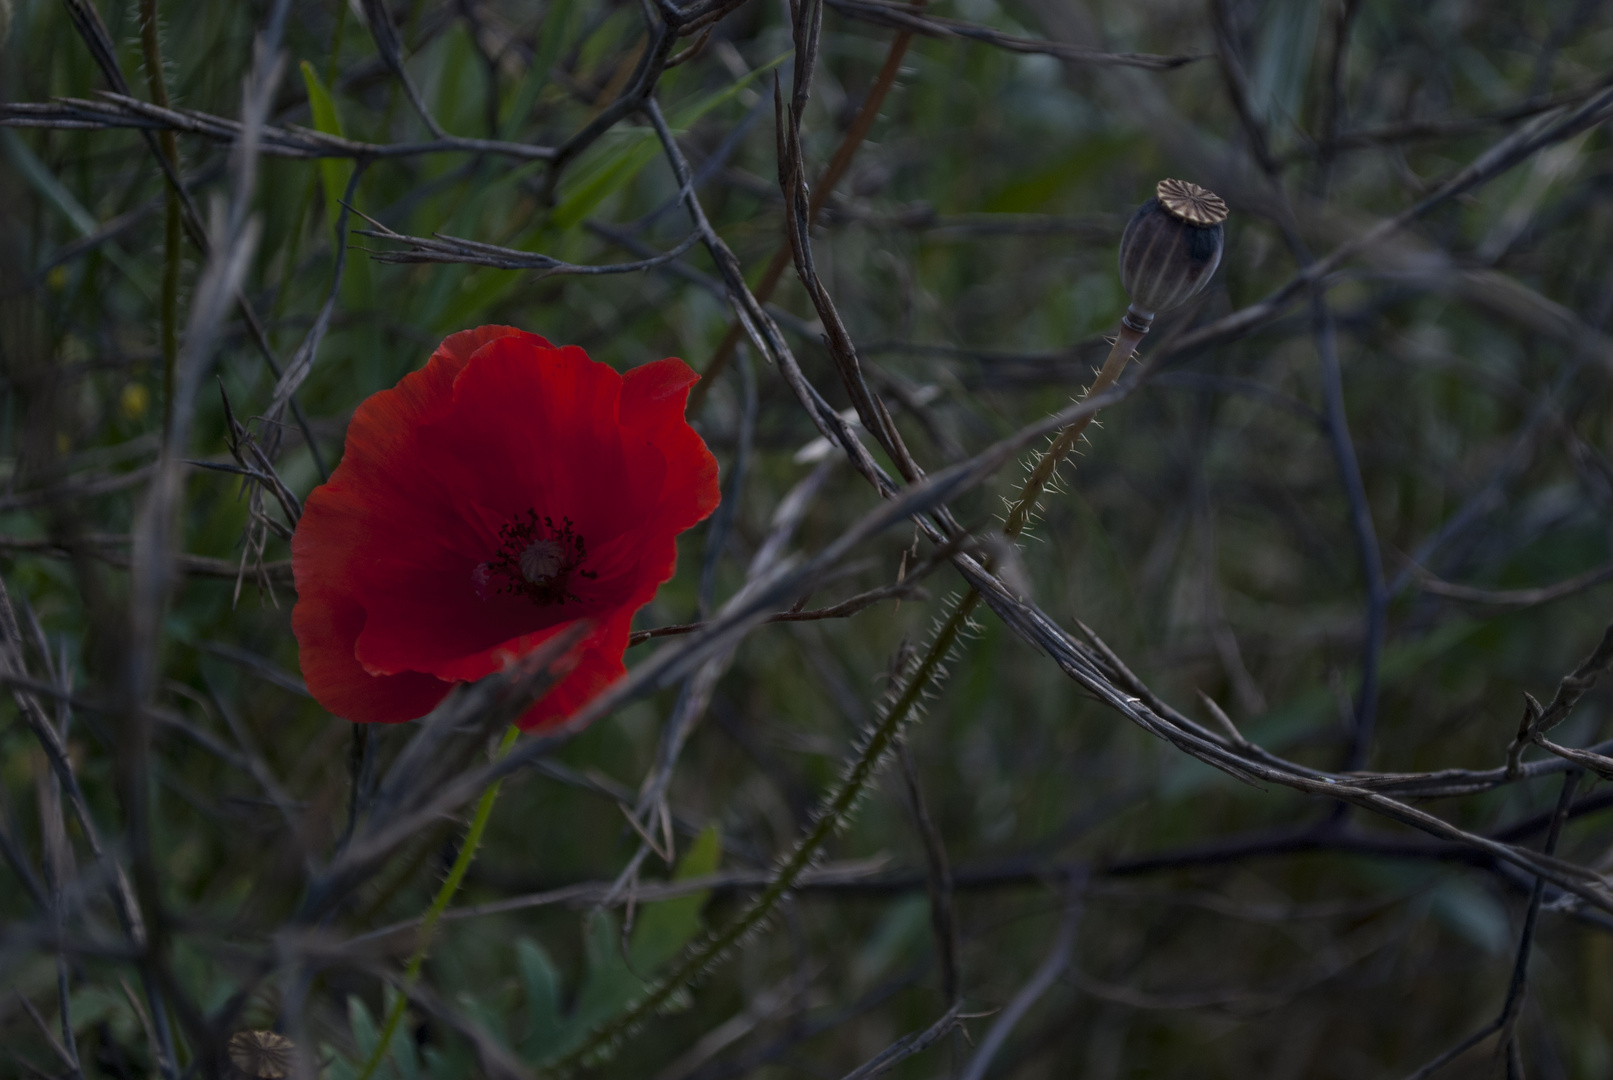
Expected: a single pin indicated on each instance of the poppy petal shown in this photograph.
(653, 399)
(598, 664)
(327, 624)
(522, 437)
(411, 563)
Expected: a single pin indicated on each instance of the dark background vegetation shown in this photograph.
(1365, 521)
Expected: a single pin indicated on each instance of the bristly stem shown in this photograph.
(836, 810)
(445, 894)
(831, 817)
(151, 50)
(1019, 514)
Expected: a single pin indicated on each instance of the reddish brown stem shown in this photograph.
(832, 175)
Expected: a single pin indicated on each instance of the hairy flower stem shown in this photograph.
(445, 894)
(1020, 513)
(837, 809)
(831, 817)
(151, 50)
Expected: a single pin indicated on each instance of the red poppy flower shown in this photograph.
(502, 492)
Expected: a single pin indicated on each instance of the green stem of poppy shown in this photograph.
(831, 817)
(1020, 513)
(836, 810)
(445, 894)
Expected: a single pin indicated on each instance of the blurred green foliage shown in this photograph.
(1204, 533)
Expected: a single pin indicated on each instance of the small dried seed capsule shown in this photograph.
(261, 1055)
(1170, 248)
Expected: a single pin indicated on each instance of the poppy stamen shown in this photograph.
(536, 559)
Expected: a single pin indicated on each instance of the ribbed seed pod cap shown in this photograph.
(261, 1055)
(1172, 245)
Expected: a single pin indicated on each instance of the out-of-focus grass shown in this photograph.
(1204, 533)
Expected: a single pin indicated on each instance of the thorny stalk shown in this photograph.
(831, 817)
(834, 813)
(1549, 121)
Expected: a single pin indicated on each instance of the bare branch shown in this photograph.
(915, 20)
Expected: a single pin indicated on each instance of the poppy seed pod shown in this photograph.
(1170, 248)
(261, 1055)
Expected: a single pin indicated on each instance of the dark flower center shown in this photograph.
(536, 559)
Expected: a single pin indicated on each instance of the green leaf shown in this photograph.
(613, 981)
(541, 982)
(452, 1062)
(1185, 777)
(562, 24)
(900, 934)
(1469, 911)
(609, 985)
(611, 170)
(402, 1050)
(605, 175)
(689, 112)
(339, 1068)
(460, 90)
(609, 167)
(400, 1061)
(92, 1005)
(365, 1035)
(1283, 64)
(1034, 190)
(44, 181)
(666, 926)
(333, 172)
